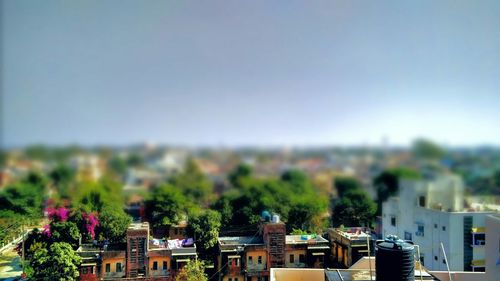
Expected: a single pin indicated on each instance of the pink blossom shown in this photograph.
(46, 230)
(90, 223)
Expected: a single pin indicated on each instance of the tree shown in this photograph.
(193, 183)
(241, 172)
(63, 177)
(24, 198)
(166, 206)
(194, 270)
(205, 228)
(387, 183)
(65, 232)
(355, 208)
(113, 224)
(427, 149)
(58, 262)
(345, 184)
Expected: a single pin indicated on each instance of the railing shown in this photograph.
(159, 272)
(114, 274)
(256, 267)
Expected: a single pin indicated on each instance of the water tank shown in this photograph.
(394, 260)
(266, 216)
(276, 218)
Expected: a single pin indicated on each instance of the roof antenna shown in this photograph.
(446, 261)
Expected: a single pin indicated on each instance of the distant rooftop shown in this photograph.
(141, 225)
(241, 240)
(353, 233)
(305, 239)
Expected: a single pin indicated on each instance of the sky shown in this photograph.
(250, 72)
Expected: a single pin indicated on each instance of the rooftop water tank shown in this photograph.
(394, 259)
(276, 218)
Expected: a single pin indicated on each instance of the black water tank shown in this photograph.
(394, 260)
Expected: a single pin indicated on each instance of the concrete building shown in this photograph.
(140, 258)
(430, 212)
(250, 258)
(349, 244)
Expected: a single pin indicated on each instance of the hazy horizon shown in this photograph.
(260, 73)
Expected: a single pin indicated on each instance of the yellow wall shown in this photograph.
(112, 262)
(296, 254)
(255, 256)
(160, 261)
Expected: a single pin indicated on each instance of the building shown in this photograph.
(140, 258)
(250, 257)
(430, 212)
(350, 244)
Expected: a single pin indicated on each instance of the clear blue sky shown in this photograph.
(250, 72)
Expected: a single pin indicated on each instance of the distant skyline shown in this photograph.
(236, 73)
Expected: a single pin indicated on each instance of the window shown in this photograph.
(420, 230)
(444, 261)
(165, 267)
(229, 279)
(108, 267)
(302, 258)
(85, 270)
(393, 220)
(292, 258)
(444, 228)
(236, 279)
(155, 265)
(259, 260)
(421, 201)
(407, 235)
(250, 260)
(478, 239)
(435, 258)
(435, 225)
(422, 260)
(118, 267)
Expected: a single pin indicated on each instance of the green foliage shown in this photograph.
(194, 270)
(292, 196)
(387, 183)
(166, 206)
(63, 178)
(241, 172)
(67, 232)
(298, 231)
(193, 183)
(427, 149)
(58, 262)
(24, 198)
(118, 165)
(345, 184)
(205, 229)
(113, 224)
(93, 196)
(355, 207)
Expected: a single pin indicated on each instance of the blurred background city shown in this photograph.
(210, 116)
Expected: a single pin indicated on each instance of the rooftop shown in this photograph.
(353, 233)
(305, 239)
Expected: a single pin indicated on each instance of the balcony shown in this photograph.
(295, 265)
(114, 274)
(159, 272)
(256, 267)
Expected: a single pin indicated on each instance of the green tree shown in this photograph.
(63, 177)
(345, 184)
(194, 270)
(65, 232)
(167, 206)
(355, 208)
(24, 198)
(205, 228)
(427, 149)
(58, 262)
(113, 224)
(193, 183)
(241, 172)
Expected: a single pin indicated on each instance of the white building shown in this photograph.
(430, 212)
